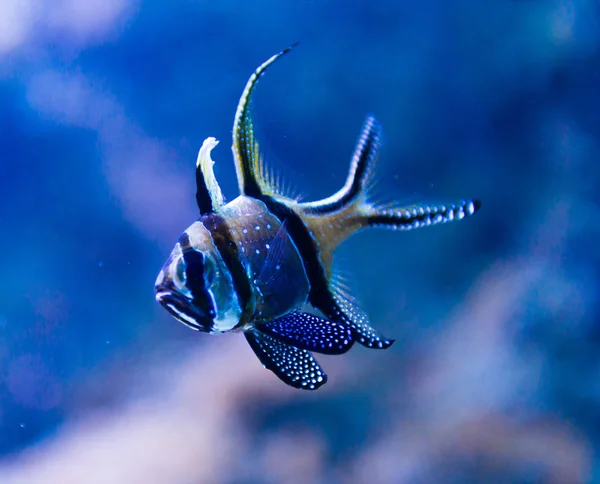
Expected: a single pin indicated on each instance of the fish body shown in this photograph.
(255, 264)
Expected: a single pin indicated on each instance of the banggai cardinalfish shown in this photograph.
(256, 264)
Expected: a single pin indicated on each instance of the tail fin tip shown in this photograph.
(421, 215)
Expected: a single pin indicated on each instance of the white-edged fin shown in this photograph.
(206, 182)
(310, 332)
(245, 146)
(293, 366)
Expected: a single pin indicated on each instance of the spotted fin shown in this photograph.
(252, 175)
(421, 215)
(310, 332)
(208, 193)
(295, 367)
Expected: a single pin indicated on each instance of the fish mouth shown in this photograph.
(180, 307)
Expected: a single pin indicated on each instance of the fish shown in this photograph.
(263, 263)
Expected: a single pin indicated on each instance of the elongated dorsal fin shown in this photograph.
(208, 192)
(245, 147)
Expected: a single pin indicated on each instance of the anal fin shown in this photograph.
(294, 366)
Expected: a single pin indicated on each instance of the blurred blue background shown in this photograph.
(495, 373)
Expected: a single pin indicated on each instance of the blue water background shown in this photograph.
(495, 375)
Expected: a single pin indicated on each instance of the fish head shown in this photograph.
(195, 285)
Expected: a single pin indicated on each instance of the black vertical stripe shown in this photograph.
(221, 235)
(194, 271)
(319, 296)
(203, 310)
(202, 193)
(184, 241)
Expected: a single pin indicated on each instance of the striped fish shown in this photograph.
(254, 265)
